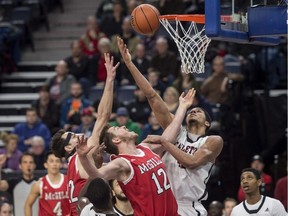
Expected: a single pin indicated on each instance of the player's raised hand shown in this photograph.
(82, 148)
(123, 50)
(186, 100)
(109, 64)
(154, 139)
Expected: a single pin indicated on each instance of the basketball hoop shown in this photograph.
(192, 43)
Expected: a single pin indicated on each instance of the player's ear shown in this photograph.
(45, 165)
(207, 124)
(116, 140)
(259, 182)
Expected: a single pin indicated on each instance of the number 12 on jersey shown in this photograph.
(165, 186)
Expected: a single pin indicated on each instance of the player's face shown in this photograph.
(6, 210)
(122, 132)
(73, 141)
(53, 164)
(249, 183)
(27, 165)
(229, 205)
(117, 191)
(196, 115)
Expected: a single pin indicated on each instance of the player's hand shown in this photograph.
(154, 139)
(109, 62)
(123, 50)
(3, 158)
(97, 155)
(82, 148)
(186, 100)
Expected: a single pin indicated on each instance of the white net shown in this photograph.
(191, 43)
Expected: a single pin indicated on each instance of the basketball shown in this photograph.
(145, 19)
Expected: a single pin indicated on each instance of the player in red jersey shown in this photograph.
(51, 190)
(63, 143)
(139, 171)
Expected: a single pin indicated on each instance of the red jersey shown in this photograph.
(54, 200)
(75, 183)
(148, 188)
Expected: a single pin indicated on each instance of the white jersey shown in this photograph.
(188, 185)
(89, 211)
(266, 206)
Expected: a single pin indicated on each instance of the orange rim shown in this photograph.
(197, 18)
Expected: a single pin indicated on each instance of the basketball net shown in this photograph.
(191, 43)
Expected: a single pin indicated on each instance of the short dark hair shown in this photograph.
(107, 137)
(46, 156)
(26, 154)
(31, 109)
(254, 171)
(99, 194)
(57, 144)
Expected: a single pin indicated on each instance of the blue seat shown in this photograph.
(125, 94)
(95, 93)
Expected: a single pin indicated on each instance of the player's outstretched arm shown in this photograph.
(158, 106)
(105, 106)
(185, 101)
(34, 194)
(116, 169)
(206, 153)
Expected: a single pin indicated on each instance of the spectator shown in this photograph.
(140, 61)
(155, 82)
(99, 74)
(170, 97)
(140, 108)
(89, 40)
(131, 5)
(59, 84)
(32, 127)
(128, 35)
(3, 183)
(214, 88)
(280, 192)
(164, 61)
(6, 208)
(121, 204)
(47, 110)
(78, 66)
(229, 204)
(255, 203)
(106, 7)
(12, 154)
(185, 81)
(266, 180)
(215, 208)
(87, 122)
(111, 23)
(152, 128)
(21, 186)
(38, 150)
(72, 107)
(123, 119)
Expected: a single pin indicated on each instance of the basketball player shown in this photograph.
(189, 162)
(121, 204)
(51, 190)
(97, 199)
(255, 203)
(140, 173)
(64, 143)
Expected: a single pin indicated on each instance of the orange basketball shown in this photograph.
(145, 19)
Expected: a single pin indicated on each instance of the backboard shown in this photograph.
(249, 22)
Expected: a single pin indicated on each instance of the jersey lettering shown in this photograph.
(166, 184)
(57, 209)
(72, 188)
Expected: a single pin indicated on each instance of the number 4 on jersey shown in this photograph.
(165, 186)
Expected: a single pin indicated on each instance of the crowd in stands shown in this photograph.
(65, 100)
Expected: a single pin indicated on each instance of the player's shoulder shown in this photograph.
(238, 210)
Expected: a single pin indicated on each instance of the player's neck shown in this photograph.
(196, 129)
(124, 206)
(253, 198)
(128, 147)
(54, 178)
